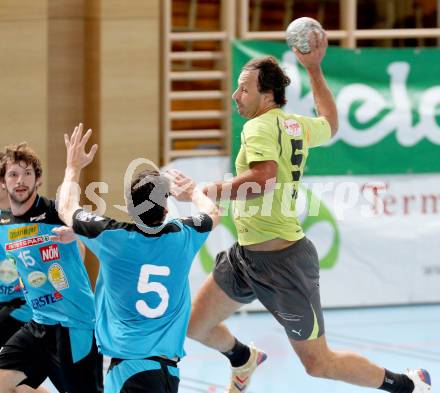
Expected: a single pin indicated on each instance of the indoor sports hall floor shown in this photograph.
(395, 337)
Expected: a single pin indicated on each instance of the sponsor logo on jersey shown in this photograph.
(46, 300)
(36, 279)
(87, 216)
(293, 128)
(22, 232)
(5, 220)
(11, 259)
(33, 241)
(7, 289)
(38, 218)
(57, 277)
(8, 270)
(50, 253)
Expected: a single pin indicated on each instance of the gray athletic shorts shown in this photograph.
(286, 282)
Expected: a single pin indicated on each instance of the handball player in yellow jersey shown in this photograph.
(273, 261)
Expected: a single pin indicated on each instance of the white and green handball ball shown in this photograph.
(297, 33)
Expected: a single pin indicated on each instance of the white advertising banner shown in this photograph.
(378, 237)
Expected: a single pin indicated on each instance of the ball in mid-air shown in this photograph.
(297, 33)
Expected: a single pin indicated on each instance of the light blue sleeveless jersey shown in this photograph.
(142, 293)
(53, 277)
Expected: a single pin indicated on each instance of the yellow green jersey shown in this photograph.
(286, 139)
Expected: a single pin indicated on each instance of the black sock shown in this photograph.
(238, 355)
(397, 383)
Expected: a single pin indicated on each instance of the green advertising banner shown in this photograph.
(388, 103)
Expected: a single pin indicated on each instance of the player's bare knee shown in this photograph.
(315, 366)
(192, 331)
(6, 387)
(9, 379)
(196, 330)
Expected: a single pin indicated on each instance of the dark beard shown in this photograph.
(20, 203)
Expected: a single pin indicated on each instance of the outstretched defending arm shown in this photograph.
(77, 159)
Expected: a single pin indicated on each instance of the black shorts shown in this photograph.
(8, 327)
(286, 282)
(42, 351)
(151, 375)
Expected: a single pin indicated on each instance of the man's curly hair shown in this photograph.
(20, 153)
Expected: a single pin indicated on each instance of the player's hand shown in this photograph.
(182, 186)
(318, 45)
(63, 235)
(211, 191)
(77, 157)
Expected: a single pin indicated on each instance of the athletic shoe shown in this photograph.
(421, 379)
(241, 376)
